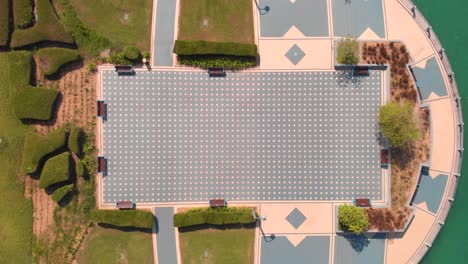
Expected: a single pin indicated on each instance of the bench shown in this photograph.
(361, 71)
(218, 203)
(362, 202)
(122, 205)
(214, 72)
(124, 69)
(101, 109)
(384, 157)
(102, 165)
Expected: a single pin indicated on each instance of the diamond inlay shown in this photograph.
(296, 218)
(295, 54)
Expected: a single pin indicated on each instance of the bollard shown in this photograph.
(413, 10)
(441, 53)
(428, 29)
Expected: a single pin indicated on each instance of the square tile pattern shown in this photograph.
(296, 218)
(181, 136)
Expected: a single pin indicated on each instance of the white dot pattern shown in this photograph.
(181, 136)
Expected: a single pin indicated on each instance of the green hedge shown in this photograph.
(61, 192)
(214, 216)
(200, 47)
(228, 62)
(80, 168)
(23, 13)
(56, 170)
(51, 59)
(4, 22)
(47, 28)
(20, 68)
(124, 218)
(36, 147)
(34, 103)
(74, 140)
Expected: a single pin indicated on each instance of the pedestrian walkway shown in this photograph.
(164, 33)
(360, 249)
(165, 235)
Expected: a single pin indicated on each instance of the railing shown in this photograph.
(456, 167)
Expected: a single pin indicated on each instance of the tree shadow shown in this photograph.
(358, 242)
(126, 228)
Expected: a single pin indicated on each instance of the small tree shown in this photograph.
(348, 51)
(398, 123)
(131, 53)
(352, 218)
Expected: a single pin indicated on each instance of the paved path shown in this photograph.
(165, 235)
(164, 33)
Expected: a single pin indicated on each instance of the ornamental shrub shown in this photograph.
(4, 22)
(131, 53)
(52, 59)
(61, 192)
(74, 140)
(228, 62)
(352, 219)
(23, 13)
(200, 47)
(348, 51)
(34, 103)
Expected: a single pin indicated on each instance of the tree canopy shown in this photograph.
(398, 123)
(348, 51)
(352, 218)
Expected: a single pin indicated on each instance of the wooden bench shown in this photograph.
(384, 157)
(124, 69)
(362, 202)
(213, 72)
(218, 203)
(122, 205)
(101, 109)
(102, 165)
(361, 71)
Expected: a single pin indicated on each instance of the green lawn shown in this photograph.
(220, 20)
(228, 246)
(104, 245)
(15, 211)
(123, 22)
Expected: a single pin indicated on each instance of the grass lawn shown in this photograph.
(220, 20)
(217, 246)
(105, 245)
(15, 210)
(123, 22)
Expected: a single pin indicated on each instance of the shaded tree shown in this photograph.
(398, 123)
(353, 219)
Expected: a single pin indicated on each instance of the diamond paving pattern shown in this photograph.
(296, 218)
(295, 54)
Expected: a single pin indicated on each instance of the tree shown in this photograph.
(131, 53)
(348, 51)
(398, 123)
(352, 218)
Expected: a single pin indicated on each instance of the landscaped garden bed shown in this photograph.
(214, 216)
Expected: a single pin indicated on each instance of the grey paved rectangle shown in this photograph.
(360, 249)
(164, 33)
(181, 136)
(165, 235)
(279, 250)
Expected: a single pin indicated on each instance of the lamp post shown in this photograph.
(266, 8)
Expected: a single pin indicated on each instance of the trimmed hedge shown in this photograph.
(228, 62)
(34, 103)
(124, 218)
(36, 147)
(61, 192)
(4, 22)
(56, 170)
(74, 140)
(214, 216)
(131, 53)
(47, 28)
(23, 13)
(200, 47)
(52, 59)
(80, 168)
(20, 68)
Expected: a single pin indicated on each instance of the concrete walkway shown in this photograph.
(165, 235)
(164, 32)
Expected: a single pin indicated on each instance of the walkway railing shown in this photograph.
(456, 166)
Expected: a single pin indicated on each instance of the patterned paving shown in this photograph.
(313, 249)
(295, 54)
(296, 218)
(360, 249)
(429, 78)
(431, 190)
(182, 136)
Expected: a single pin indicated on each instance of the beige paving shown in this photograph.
(443, 135)
(318, 54)
(319, 218)
(401, 26)
(401, 249)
